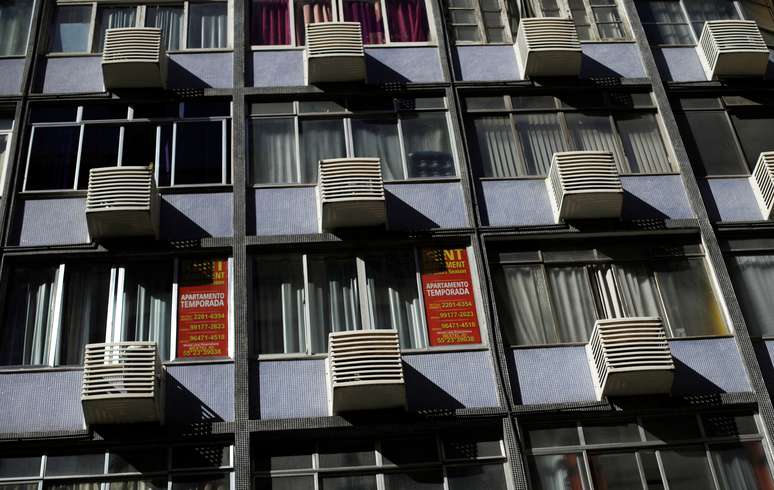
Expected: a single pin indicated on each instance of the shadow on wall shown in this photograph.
(183, 407)
(591, 68)
(180, 77)
(177, 226)
(767, 368)
(423, 394)
(636, 208)
(378, 72)
(402, 215)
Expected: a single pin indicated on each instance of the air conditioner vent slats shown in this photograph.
(548, 46)
(630, 356)
(334, 52)
(134, 58)
(732, 48)
(762, 182)
(351, 193)
(365, 370)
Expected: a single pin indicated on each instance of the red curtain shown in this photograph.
(369, 14)
(407, 20)
(270, 23)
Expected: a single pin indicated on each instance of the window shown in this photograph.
(66, 142)
(14, 26)
(725, 136)
(201, 466)
(753, 278)
(283, 22)
(556, 295)
(670, 22)
(760, 11)
(452, 461)
(595, 20)
(680, 451)
(53, 311)
(410, 136)
(483, 21)
(6, 127)
(516, 136)
(206, 25)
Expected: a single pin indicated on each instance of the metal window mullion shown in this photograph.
(56, 325)
(662, 302)
(27, 165)
(385, 23)
(78, 157)
(230, 334)
(157, 158)
(292, 20)
(92, 28)
(184, 30)
(584, 456)
(297, 138)
(546, 306)
(661, 470)
(737, 139)
(478, 12)
(640, 468)
(402, 144)
(121, 133)
(349, 140)
(618, 142)
(522, 163)
(307, 313)
(688, 20)
(173, 324)
(174, 153)
(110, 333)
(422, 335)
(224, 152)
(595, 34)
(362, 294)
(714, 474)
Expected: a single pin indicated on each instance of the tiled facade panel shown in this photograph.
(284, 211)
(191, 216)
(60, 221)
(278, 68)
(682, 64)
(708, 366)
(11, 71)
(199, 393)
(292, 389)
(730, 199)
(41, 401)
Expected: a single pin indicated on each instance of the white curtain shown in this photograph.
(642, 145)
(572, 302)
(497, 148)
(319, 139)
(170, 21)
(207, 26)
(522, 308)
(379, 138)
(593, 132)
(28, 321)
(540, 137)
(14, 26)
(393, 298)
(742, 467)
(274, 151)
(147, 305)
(111, 18)
(637, 289)
(426, 140)
(85, 310)
(753, 277)
(333, 303)
(280, 304)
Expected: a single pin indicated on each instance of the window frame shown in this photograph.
(738, 248)
(115, 307)
(96, 5)
(595, 37)
(346, 116)
(337, 13)
(27, 37)
(174, 122)
(688, 22)
(477, 10)
(5, 158)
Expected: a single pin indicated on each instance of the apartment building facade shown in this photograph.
(386, 244)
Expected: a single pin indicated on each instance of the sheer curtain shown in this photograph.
(407, 21)
(319, 139)
(71, 29)
(642, 144)
(14, 26)
(270, 23)
(753, 277)
(742, 467)
(379, 138)
(369, 14)
(274, 151)
(333, 303)
(540, 136)
(85, 310)
(207, 26)
(170, 21)
(147, 305)
(280, 304)
(593, 132)
(522, 308)
(426, 140)
(572, 302)
(497, 148)
(393, 298)
(637, 289)
(111, 18)
(28, 317)
(311, 12)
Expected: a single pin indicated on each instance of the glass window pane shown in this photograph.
(379, 138)
(753, 278)
(414, 480)
(112, 18)
(485, 103)
(52, 159)
(476, 477)
(308, 12)
(99, 112)
(207, 26)
(342, 454)
(652, 472)
(572, 303)
(19, 486)
(19, 466)
(170, 21)
(407, 20)
(270, 23)
(75, 464)
(498, 154)
(201, 482)
(286, 483)
(73, 485)
(139, 145)
(27, 326)
(467, 33)
(700, 11)
(409, 451)
(14, 26)
(71, 29)
(690, 302)
(611, 432)
(199, 153)
(209, 107)
(711, 144)
(478, 444)
(282, 455)
(754, 132)
(134, 460)
(721, 425)
(320, 139)
(463, 16)
(157, 484)
(85, 310)
(671, 428)
(558, 472)
(164, 164)
(642, 144)
(147, 304)
(615, 471)
(428, 150)
(350, 482)
(273, 152)
(201, 456)
(687, 468)
(279, 304)
(369, 14)
(742, 467)
(554, 435)
(636, 288)
(526, 315)
(99, 149)
(593, 132)
(393, 297)
(333, 304)
(540, 136)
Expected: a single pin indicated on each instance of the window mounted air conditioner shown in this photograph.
(732, 48)
(134, 58)
(584, 185)
(364, 371)
(334, 52)
(122, 383)
(122, 202)
(630, 356)
(762, 182)
(548, 46)
(351, 193)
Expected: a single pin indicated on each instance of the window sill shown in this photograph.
(583, 344)
(731, 176)
(543, 177)
(190, 362)
(37, 369)
(608, 41)
(180, 51)
(403, 352)
(258, 47)
(74, 55)
(386, 182)
(163, 190)
(13, 57)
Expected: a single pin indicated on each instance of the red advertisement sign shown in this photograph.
(447, 289)
(202, 308)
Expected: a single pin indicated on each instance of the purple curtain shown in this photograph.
(407, 20)
(270, 23)
(311, 12)
(369, 14)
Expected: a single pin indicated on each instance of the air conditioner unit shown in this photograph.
(134, 58)
(762, 182)
(630, 356)
(584, 185)
(334, 52)
(122, 383)
(122, 202)
(350, 193)
(548, 46)
(732, 48)
(364, 371)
